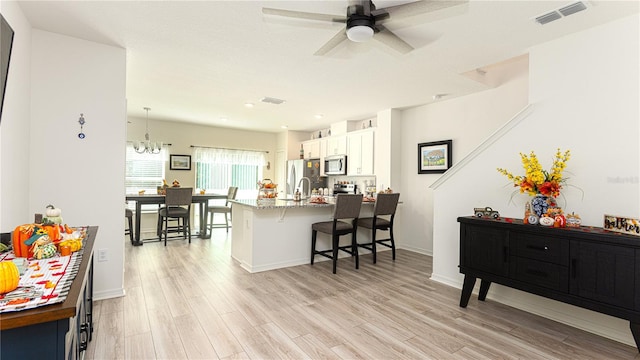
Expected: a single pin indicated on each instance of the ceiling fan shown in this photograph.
(364, 21)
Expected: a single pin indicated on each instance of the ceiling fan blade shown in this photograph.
(337, 39)
(414, 8)
(390, 39)
(305, 15)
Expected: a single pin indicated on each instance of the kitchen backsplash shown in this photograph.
(361, 181)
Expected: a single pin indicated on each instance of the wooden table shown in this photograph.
(200, 199)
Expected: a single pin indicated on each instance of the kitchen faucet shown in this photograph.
(302, 188)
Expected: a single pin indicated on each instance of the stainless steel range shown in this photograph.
(345, 188)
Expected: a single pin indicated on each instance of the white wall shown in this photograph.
(14, 125)
(83, 177)
(585, 94)
(467, 121)
(182, 135)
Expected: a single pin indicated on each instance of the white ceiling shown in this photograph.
(200, 61)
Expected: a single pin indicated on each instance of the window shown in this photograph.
(218, 169)
(144, 172)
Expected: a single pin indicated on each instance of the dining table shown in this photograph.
(201, 200)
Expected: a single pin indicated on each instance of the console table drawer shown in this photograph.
(540, 247)
(540, 273)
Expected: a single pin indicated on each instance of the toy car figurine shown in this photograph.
(486, 212)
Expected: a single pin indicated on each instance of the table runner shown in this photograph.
(44, 282)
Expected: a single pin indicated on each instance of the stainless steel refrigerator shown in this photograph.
(309, 168)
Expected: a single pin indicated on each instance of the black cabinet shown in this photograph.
(604, 273)
(586, 267)
(58, 331)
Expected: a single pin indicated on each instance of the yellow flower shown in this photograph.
(536, 180)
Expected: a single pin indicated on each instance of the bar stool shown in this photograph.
(222, 209)
(386, 205)
(177, 206)
(345, 221)
(129, 230)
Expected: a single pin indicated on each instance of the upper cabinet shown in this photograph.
(360, 154)
(336, 145)
(311, 149)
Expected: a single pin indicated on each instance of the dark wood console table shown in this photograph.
(58, 331)
(587, 266)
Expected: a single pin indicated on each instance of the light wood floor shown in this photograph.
(193, 302)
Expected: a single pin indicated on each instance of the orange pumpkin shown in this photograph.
(21, 234)
(53, 231)
(9, 276)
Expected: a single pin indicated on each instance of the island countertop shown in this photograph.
(286, 204)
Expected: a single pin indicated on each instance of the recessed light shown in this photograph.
(248, 105)
(284, 127)
(223, 119)
(319, 116)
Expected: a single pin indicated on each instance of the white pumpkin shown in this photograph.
(52, 211)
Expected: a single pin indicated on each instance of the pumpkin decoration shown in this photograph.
(21, 234)
(54, 231)
(73, 244)
(9, 276)
(53, 215)
(52, 211)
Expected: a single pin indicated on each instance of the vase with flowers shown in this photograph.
(543, 185)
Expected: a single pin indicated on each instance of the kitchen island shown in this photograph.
(277, 234)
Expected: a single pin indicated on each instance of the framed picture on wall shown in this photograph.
(180, 162)
(434, 157)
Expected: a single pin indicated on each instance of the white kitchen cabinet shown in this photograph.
(336, 145)
(311, 149)
(360, 154)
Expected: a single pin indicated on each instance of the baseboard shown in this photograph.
(416, 250)
(109, 294)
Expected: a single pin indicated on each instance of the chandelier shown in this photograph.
(147, 146)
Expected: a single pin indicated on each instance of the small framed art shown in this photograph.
(180, 162)
(434, 157)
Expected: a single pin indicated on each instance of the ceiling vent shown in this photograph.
(271, 100)
(561, 12)
(548, 17)
(572, 8)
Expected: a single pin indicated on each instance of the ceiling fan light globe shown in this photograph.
(360, 33)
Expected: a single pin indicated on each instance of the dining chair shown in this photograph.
(345, 221)
(177, 206)
(384, 212)
(223, 209)
(129, 230)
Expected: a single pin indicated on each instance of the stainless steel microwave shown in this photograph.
(335, 165)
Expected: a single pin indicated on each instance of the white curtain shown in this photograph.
(229, 156)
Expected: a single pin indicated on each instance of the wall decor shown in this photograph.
(81, 121)
(623, 225)
(180, 162)
(434, 157)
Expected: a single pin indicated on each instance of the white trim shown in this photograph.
(108, 294)
(515, 120)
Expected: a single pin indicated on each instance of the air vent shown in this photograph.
(549, 17)
(572, 9)
(271, 100)
(559, 13)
